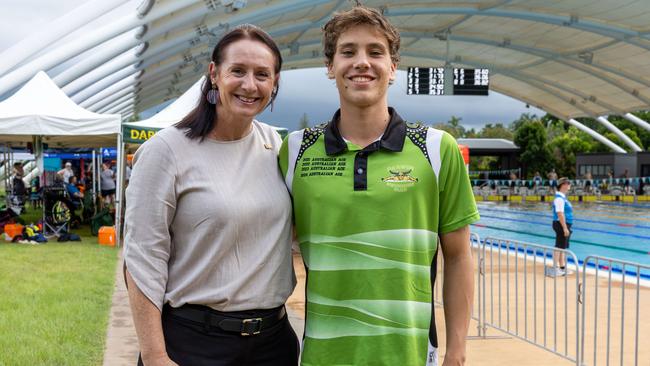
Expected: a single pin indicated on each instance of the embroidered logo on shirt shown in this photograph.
(400, 178)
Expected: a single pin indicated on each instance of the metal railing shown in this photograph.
(518, 295)
(516, 272)
(610, 274)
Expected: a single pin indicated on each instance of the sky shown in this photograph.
(306, 91)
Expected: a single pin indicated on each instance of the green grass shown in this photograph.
(54, 301)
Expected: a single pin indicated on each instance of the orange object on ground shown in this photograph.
(107, 236)
(14, 229)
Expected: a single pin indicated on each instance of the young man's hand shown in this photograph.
(454, 360)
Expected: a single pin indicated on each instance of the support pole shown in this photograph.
(596, 135)
(628, 141)
(638, 121)
(119, 190)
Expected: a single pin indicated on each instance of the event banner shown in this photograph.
(137, 135)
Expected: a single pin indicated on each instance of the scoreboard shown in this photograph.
(438, 81)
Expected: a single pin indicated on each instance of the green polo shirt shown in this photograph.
(367, 220)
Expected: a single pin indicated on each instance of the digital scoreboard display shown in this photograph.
(433, 81)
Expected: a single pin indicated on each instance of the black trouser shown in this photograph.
(190, 343)
(561, 241)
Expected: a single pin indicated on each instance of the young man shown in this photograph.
(371, 195)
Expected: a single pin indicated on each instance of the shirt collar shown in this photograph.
(561, 194)
(391, 140)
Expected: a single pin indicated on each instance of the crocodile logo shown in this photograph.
(400, 178)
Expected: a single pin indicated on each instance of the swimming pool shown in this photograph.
(619, 231)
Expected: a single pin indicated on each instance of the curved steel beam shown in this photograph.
(548, 55)
(107, 51)
(621, 34)
(117, 63)
(119, 94)
(104, 83)
(116, 102)
(54, 31)
(106, 93)
(84, 43)
(120, 107)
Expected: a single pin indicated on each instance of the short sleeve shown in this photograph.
(283, 156)
(150, 208)
(457, 207)
(559, 204)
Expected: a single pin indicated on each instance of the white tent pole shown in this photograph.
(596, 135)
(95, 175)
(118, 191)
(628, 141)
(636, 120)
(55, 30)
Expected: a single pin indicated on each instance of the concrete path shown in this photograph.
(122, 345)
(121, 342)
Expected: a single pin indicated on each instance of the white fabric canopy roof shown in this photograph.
(174, 112)
(40, 108)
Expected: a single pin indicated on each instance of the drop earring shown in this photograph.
(213, 95)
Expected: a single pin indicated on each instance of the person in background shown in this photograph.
(537, 180)
(562, 221)
(73, 191)
(588, 181)
(208, 222)
(552, 179)
(66, 172)
(107, 184)
(127, 172)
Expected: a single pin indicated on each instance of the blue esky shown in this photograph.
(301, 91)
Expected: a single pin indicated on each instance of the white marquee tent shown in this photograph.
(41, 113)
(40, 108)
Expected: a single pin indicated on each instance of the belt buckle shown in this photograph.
(251, 326)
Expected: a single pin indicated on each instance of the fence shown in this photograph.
(620, 335)
(516, 294)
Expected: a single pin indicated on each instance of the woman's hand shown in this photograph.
(161, 360)
(566, 231)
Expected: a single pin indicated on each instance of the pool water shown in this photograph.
(614, 230)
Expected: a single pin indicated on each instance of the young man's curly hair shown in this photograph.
(359, 15)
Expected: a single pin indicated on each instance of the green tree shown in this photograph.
(535, 154)
(133, 118)
(304, 122)
(496, 131)
(452, 126)
(564, 148)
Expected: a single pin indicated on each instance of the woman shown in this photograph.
(107, 184)
(208, 223)
(562, 221)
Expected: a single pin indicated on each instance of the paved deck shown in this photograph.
(498, 349)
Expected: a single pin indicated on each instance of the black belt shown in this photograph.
(210, 318)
